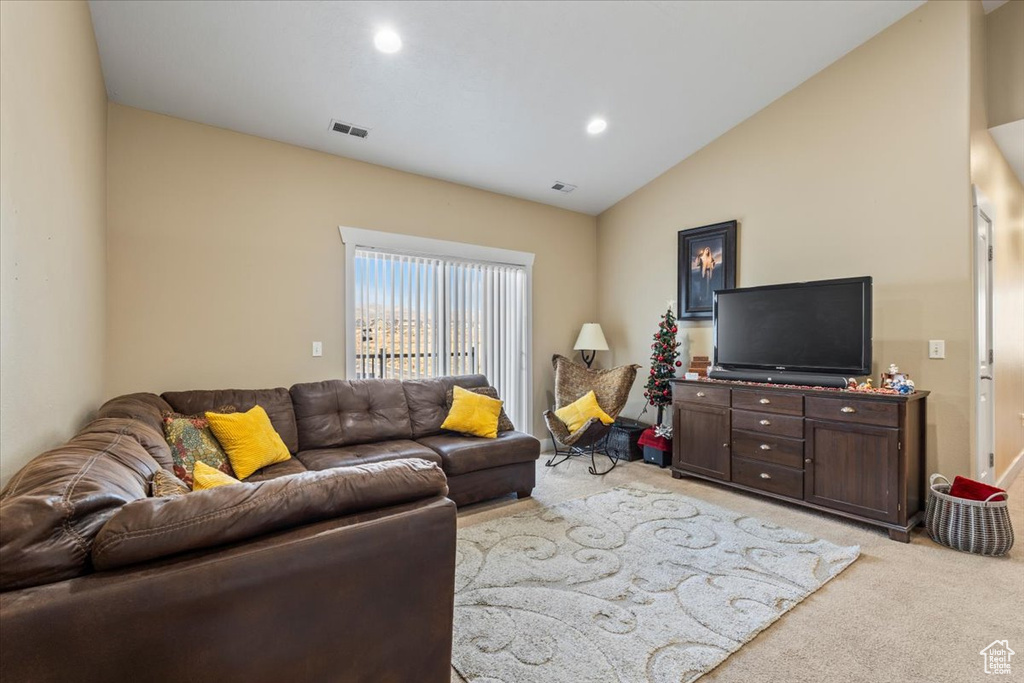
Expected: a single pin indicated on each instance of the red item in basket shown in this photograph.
(649, 438)
(973, 490)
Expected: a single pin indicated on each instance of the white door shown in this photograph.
(985, 409)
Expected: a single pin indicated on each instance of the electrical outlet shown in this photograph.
(937, 348)
(318, 349)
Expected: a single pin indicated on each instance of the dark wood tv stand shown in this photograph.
(855, 454)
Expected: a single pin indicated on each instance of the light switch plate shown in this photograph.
(937, 348)
(318, 349)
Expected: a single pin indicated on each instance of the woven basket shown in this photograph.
(622, 440)
(981, 527)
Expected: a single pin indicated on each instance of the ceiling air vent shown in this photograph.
(349, 129)
(564, 188)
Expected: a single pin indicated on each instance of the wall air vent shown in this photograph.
(349, 129)
(564, 188)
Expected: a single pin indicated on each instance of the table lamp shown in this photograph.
(591, 339)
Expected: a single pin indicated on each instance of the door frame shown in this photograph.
(982, 359)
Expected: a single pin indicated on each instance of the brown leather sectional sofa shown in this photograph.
(344, 572)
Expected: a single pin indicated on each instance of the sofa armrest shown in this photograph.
(358, 598)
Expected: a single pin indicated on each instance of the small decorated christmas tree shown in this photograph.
(663, 364)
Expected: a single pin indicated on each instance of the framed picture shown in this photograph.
(707, 263)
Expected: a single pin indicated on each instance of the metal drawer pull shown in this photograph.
(701, 394)
(725, 445)
(847, 409)
(766, 422)
(764, 401)
(765, 447)
(765, 475)
(808, 461)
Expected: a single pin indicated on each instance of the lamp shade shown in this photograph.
(591, 338)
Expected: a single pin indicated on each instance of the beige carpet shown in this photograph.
(901, 612)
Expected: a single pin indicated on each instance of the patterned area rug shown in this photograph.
(632, 584)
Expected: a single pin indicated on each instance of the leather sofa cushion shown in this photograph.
(281, 469)
(428, 400)
(152, 440)
(53, 508)
(340, 413)
(158, 527)
(326, 458)
(277, 403)
(148, 409)
(462, 454)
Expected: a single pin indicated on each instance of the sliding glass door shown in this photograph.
(420, 315)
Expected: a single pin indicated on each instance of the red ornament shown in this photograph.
(679, 363)
(652, 371)
(675, 329)
(661, 359)
(665, 392)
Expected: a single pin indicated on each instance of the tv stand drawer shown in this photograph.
(768, 423)
(768, 401)
(699, 393)
(853, 410)
(784, 481)
(773, 449)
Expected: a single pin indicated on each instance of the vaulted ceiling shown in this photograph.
(495, 95)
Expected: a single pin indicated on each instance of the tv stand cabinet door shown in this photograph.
(700, 439)
(853, 468)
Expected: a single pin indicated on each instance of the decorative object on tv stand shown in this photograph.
(706, 264)
(591, 339)
(899, 382)
(664, 353)
(699, 366)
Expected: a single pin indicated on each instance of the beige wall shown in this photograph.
(997, 182)
(52, 226)
(225, 261)
(861, 170)
(1004, 53)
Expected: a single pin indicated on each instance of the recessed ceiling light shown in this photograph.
(596, 126)
(387, 41)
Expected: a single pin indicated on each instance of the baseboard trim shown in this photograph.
(1005, 481)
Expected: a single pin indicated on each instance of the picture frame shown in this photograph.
(706, 263)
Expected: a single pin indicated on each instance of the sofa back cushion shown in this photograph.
(338, 413)
(52, 509)
(428, 400)
(276, 402)
(157, 527)
(152, 440)
(147, 409)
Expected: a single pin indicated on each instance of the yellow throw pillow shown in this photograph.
(249, 440)
(206, 477)
(576, 414)
(473, 414)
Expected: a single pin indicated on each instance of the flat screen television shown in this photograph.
(817, 327)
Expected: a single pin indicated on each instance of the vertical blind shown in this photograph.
(429, 316)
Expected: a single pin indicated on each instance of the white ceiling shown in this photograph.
(1009, 137)
(494, 95)
(990, 5)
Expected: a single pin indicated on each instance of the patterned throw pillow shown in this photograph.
(504, 424)
(166, 485)
(191, 441)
